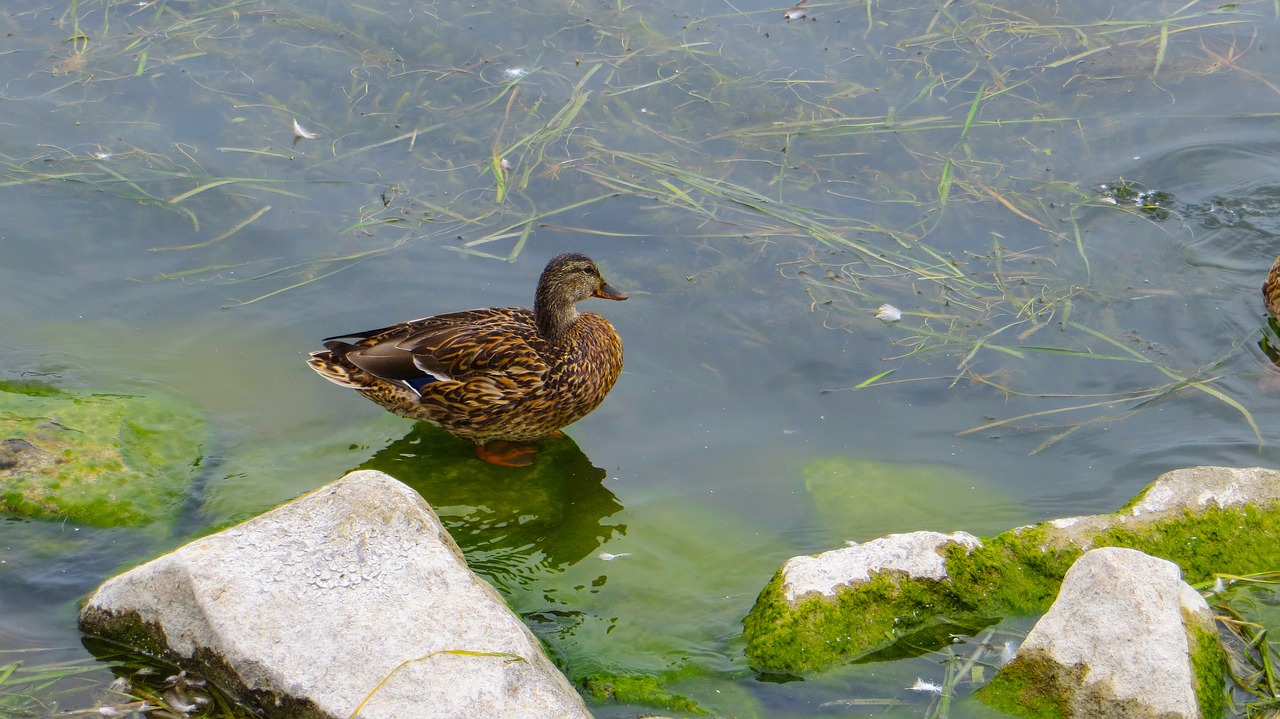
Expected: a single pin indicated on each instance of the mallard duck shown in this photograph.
(498, 376)
(1271, 290)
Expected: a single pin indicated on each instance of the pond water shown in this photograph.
(1074, 211)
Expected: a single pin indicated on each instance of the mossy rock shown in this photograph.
(108, 460)
(817, 632)
(1034, 686)
(1018, 572)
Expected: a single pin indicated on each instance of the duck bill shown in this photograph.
(608, 292)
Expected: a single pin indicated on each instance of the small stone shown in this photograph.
(12, 451)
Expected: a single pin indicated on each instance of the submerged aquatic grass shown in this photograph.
(31, 687)
(1245, 609)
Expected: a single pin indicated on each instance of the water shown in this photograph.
(744, 179)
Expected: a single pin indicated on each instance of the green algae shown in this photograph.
(1241, 540)
(1017, 572)
(642, 690)
(107, 460)
(30, 389)
(1209, 664)
(1032, 686)
(861, 499)
(1037, 687)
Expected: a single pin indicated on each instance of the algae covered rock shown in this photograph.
(1126, 637)
(108, 460)
(1205, 520)
(842, 604)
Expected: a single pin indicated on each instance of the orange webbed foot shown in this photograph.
(506, 454)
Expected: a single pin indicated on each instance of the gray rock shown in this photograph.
(916, 555)
(1197, 488)
(1121, 640)
(1173, 496)
(352, 597)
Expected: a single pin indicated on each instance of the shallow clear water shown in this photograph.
(701, 155)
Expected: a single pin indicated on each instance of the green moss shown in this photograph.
(1032, 686)
(101, 459)
(1018, 572)
(1142, 493)
(1014, 573)
(821, 631)
(1208, 662)
(1240, 540)
(642, 690)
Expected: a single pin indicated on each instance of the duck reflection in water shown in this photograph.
(511, 524)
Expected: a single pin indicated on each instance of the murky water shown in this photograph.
(759, 186)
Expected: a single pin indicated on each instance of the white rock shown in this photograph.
(1197, 488)
(1194, 490)
(1119, 615)
(354, 593)
(916, 554)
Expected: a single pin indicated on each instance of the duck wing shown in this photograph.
(498, 346)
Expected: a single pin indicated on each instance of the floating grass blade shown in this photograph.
(240, 226)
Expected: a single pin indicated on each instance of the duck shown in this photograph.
(1271, 290)
(500, 377)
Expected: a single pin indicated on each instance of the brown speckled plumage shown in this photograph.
(1271, 290)
(502, 373)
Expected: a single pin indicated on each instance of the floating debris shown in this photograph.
(1155, 204)
(302, 133)
(925, 687)
(1008, 652)
(179, 703)
(515, 73)
(610, 557)
(1219, 587)
(796, 13)
(71, 65)
(888, 313)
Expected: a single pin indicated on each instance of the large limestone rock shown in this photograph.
(351, 601)
(1125, 638)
